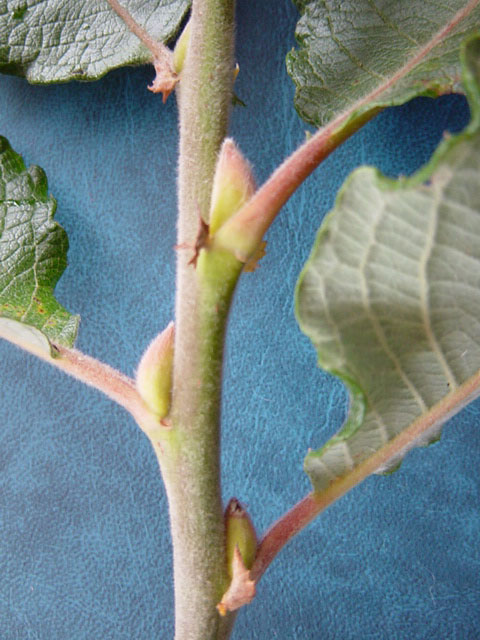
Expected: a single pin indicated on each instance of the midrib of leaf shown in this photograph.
(405, 69)
(432, 419)
(424, 51)
(396, 447)
(314, 503)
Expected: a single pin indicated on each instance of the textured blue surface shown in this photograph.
(84, 546)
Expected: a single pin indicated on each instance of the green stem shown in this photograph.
(189, 451)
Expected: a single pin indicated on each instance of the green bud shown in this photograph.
(240, 533)
(154, 373)
(233, 185)
(180, 50)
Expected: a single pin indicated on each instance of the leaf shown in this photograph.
(359, 56)
(390, 295)
(33, 250)
(59, 40)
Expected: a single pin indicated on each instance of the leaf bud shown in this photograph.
(239, 533)
(233, 184)
(154, 373)
(180, 50)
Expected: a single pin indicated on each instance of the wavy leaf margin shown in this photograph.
(359, 439)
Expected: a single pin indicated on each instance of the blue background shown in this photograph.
(84, 543)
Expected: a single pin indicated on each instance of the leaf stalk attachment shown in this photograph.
(162, 56)
(189, 456)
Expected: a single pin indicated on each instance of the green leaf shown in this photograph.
(390, 296)
(33, 250)
(60, 40)
(358, 56)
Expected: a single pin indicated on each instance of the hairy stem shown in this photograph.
(301, 514)
(111, 382)
(189, 457)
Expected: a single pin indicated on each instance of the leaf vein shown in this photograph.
(378, 330)
(424, 290)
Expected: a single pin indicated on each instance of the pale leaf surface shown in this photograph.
(361, 55)
(390, 295)
(59, 40)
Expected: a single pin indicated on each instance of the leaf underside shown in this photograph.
(357, 56)
(33, 250)
(390, 295)
(59, 40)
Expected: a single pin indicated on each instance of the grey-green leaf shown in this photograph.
(362, 55)
(33, 250)
(390, 295)
(59, 40)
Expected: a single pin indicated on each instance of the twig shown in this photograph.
(110, 381)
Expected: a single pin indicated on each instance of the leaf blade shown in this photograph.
(357, 57)
(33, 250)
(57, 40)
(390, 296)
